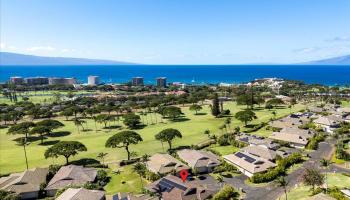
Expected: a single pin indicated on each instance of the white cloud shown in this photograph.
(2, 46)
(339, 39)
(41, 48)
(307, 50)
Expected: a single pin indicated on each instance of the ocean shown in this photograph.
(196, 74)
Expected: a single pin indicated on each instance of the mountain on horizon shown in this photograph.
(341, 60)
(7, 58)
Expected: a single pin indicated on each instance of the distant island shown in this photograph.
(341, 60)
(7, 58)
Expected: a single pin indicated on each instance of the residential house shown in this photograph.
(294, 140)
(302, 132)
(249, 164)
(26, 184)
(254, 140)
(173, 188)
(316, 109)
(265, 143)
(286, 151)
(200, 161)
(81, 194)
(261, 152)
(328, 123)
(286, 122)
(164, 164)
(320, 196)
(70, 175)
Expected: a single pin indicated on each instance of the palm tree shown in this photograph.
(228, 123)
(282, 182)
(23, 142)
(140, 169)
(220, 179)
(325, 164)
(274, 114)
(145, 158)
(207, 132)
(102, 157)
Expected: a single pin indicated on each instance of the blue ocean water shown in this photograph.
(328, 75)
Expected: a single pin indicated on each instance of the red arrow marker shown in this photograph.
(184, 174)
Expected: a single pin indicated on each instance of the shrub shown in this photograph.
(102, 177)
(313, 143)
(53, 169)
(226, 193)
(225, 167)
(281, 168)
(5, 195)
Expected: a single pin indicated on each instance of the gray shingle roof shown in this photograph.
(72, 175)
(27, 181)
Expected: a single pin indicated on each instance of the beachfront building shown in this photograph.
(93, 80)
(137, 81)
(161, 82)
(62, 81)
(16, 80)
(36, 81)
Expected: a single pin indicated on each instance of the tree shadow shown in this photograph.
(86, 162)
(140, 126)
(48, 143)
(182, 119)
(201, 113)
(29, 139)
(113, 127)
(87, 130)
(59, 134)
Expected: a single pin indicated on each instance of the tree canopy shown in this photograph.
(123, 139)
(196, 108)
(65, 148)
(167, 135)
(132, 120)
(245, 116)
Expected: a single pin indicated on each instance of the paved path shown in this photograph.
(271, 191)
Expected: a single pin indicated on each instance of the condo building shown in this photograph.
(93, 80)
(137, 81)
(62, 81)
(16, 80)
(161, 82)
(36, 81)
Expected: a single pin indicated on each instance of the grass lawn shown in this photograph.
(225, 150)
(302, 192)
(12, 156)
(126, 181)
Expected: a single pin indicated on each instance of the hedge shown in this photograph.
(281, 168)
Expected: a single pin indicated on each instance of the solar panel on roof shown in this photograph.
(249, 159)
(169, 185)
(246, 158)
(239, 155)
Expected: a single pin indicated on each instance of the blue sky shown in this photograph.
(178, 31)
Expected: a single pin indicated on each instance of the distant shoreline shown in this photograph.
(209, 74)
